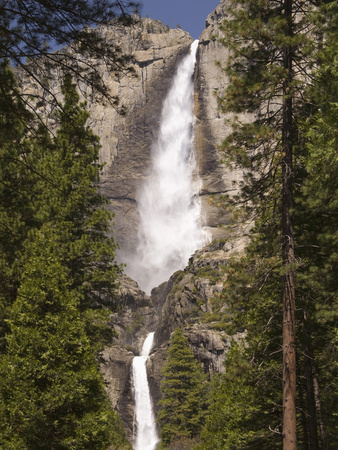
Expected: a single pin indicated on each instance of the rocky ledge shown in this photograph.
(190, 299)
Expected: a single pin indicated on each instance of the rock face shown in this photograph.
(132, 325)
(211, 129)
(192, 298)
(127, 140)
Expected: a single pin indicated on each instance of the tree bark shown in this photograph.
(303, 416)
(289, 296)
(319, 412)
(310, 395)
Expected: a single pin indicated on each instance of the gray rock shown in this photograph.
(186, 300)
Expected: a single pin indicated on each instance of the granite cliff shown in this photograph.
(127, 138)
(190, 298)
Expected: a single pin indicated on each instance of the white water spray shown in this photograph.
(146, 434)
(170, 212)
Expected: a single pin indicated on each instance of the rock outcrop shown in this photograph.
(132, 326)
(191, 299)
(211, 130)
(127, 140)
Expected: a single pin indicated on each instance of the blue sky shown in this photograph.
(189, 14)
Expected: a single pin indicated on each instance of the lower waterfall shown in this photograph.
(146, 433)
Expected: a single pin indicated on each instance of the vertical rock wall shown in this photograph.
(210, 83)
(126, 151)
(127, 140)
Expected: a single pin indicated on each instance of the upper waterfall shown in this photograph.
(170, 227)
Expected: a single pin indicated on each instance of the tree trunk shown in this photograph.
(289, 297)
(310, 395)
(305, 442)
(319, 412)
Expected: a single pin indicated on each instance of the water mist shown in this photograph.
(170, 229)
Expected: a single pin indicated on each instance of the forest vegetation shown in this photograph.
(280, 386)
(57, 258)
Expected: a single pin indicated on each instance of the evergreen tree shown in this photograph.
(52, 395)
(89, 248)
(71, 198)
(316, 233)
(33, 28)
(58, 267)
(15, 190)
(267, 72)
(55, 180)
(182, 407)
(245, 409)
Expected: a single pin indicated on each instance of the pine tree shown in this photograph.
(15, 190)
(267, 74)
(182, 407)
(55, 180)
(32, 29)
(245, 408)
(317, 234)
(52, 395)
(59, 270)
(67, 195)
(252, 288)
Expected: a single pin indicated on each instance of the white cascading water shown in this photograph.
(170, 228)
(146, 433)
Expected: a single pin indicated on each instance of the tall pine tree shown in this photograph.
(182, 407)
(52, 394)
(268, 44)
(316, 214)
(58, 263)
(16, 185)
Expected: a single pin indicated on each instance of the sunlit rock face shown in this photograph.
(211, 129)
(127, 140)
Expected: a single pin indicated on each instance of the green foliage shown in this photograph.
(317, 214)
(81, 209)
(32, 29)
(276, 150)
(16, 208)
(58, 270)
(52, 394)
(246, 408)
(246, 402)
(65, 195)
(257, 34)
(182, 407)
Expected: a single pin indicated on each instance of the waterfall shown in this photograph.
(170, 229)
(146, 434)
